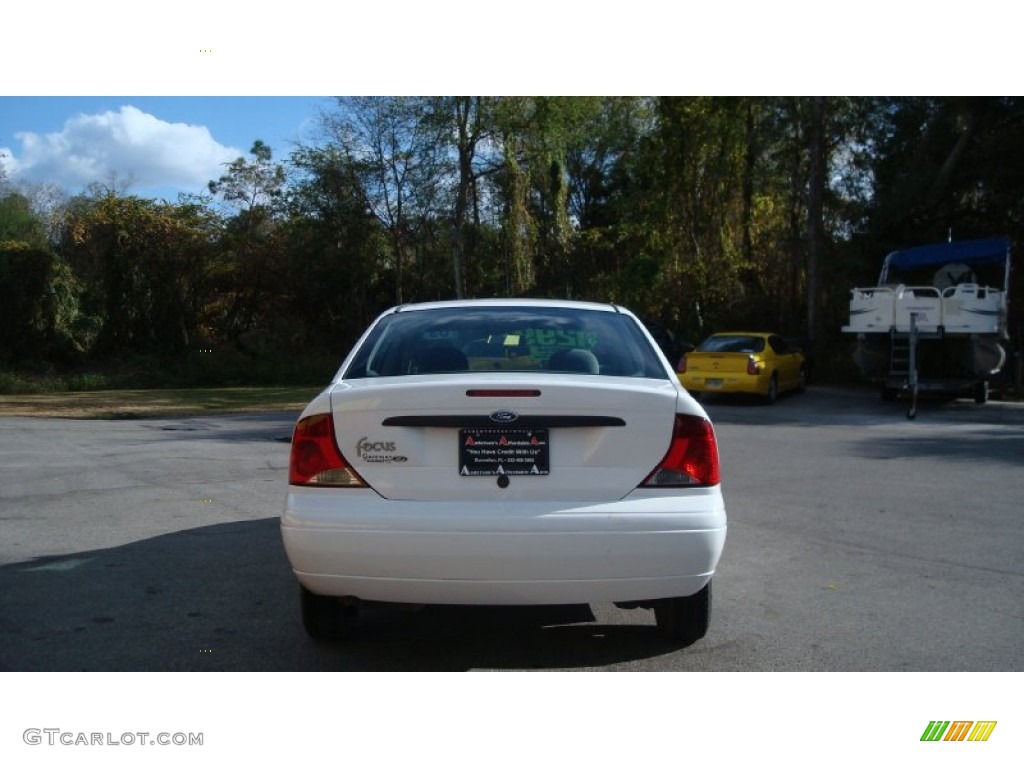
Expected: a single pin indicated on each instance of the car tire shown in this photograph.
(773, 390)
(981, 392)
(684, 620)
(325, 617)
(801, 385)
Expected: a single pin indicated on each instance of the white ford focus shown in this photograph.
(505, 452)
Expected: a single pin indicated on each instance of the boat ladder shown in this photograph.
(903, 361)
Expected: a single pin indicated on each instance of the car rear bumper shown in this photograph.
(647, 546)
(730, 383)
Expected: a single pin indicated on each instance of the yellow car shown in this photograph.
(762, 364)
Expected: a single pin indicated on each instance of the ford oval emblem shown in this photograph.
(504, 417)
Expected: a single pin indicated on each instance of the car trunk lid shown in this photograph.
(514, 437)
(717, 363)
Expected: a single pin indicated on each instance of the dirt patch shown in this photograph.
(156, 403)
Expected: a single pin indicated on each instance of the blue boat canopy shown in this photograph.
(972, 252)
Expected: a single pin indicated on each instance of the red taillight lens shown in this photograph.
(753, 367)
(692, 458)
(315, 458)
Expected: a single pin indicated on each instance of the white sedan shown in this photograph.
(505, 452)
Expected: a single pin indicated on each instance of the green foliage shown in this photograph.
(393, 147)
(229, 367)
(17, 383)
(692, 211)
(39, 307)
(18, 223)
(947, 165)
(146, 266)
(333, 282)
(251, 184)
(25, 276)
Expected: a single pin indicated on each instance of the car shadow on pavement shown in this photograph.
(978, 445)
(276, 426)
(453, 638)
(222, 597)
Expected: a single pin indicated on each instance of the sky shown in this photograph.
(162, 145)
(212, 81)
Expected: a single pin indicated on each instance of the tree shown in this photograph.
(38, 303)
(467, 122)
(38, 300)
(818, 154)
(946, 166)
(249, 269)
(393, 147)
(47, 202)
(251, 184)
(689, 180)
(608, 209)
(513, 188)
(144, 265)
(18, 222)
(333, 283)
(537, 135)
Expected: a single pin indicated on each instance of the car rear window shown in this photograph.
(745, 344)
(515, 339)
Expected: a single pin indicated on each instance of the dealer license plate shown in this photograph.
(499, 451)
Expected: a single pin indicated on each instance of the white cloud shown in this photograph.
(129, 143)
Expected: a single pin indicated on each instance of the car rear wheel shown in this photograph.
(327, 618)
(801, 385)
(773, 390)
(684, 620)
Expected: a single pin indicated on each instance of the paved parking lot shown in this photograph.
(858, 540)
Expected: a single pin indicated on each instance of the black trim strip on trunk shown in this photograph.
(481, 422)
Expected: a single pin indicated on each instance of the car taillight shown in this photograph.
(315, 458)
(692, 458)
(753, 367)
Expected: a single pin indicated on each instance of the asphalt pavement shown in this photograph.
(858, 540)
